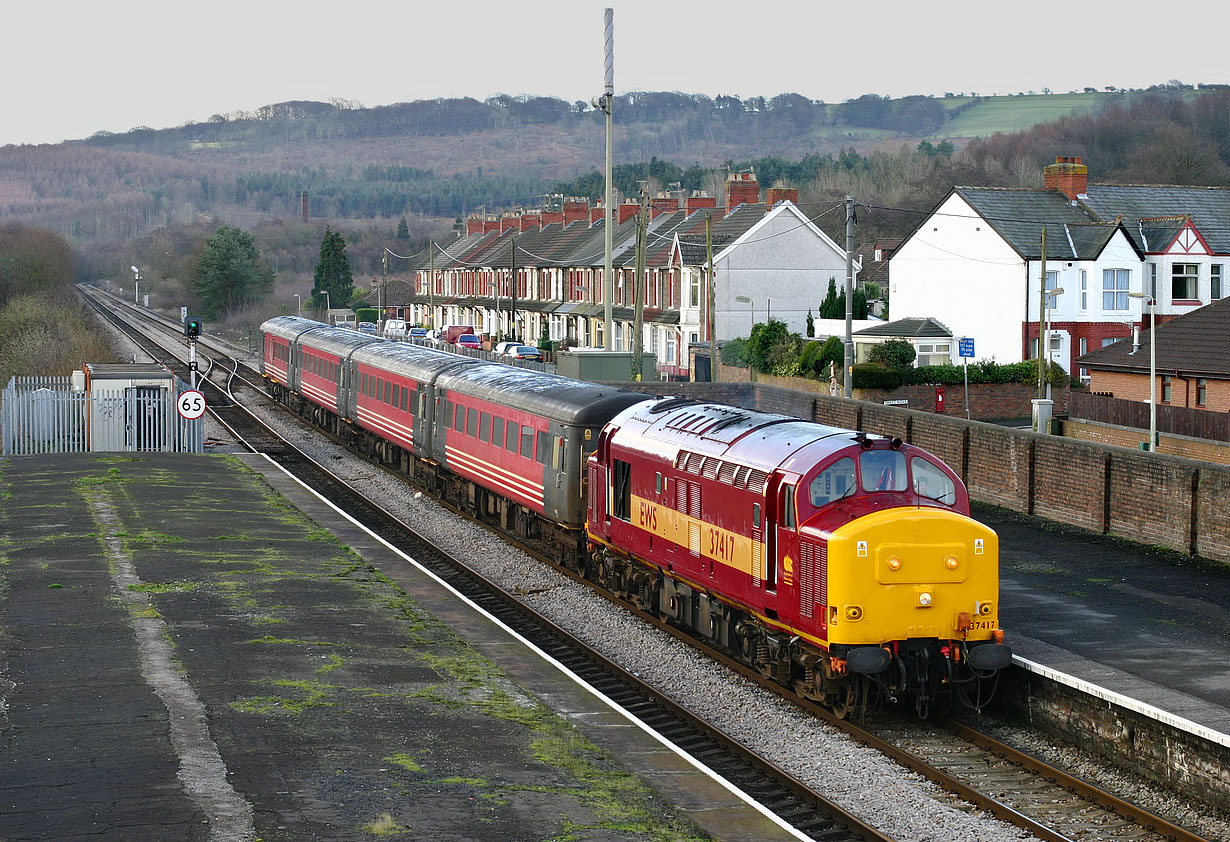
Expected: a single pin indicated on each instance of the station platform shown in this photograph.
(198, 647)
(1148, 625)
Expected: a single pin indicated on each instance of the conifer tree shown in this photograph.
(230, 274)
(333, 272)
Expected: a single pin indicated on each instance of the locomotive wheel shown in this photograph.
(845, 700)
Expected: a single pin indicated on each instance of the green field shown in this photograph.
(1016, 113)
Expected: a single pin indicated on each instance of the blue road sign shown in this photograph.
(965, 347)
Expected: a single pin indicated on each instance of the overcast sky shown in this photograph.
(72, 68)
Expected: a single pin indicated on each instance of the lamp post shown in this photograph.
(328, 305)
(1152, 368)
(137, 276)
(743, 299)
(298, 304)
(1044, 340)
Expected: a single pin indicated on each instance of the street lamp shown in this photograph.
(1044, 341)
(328, 305)
(298, 304)
(1152, 368)
(137, 273)
(743, 299)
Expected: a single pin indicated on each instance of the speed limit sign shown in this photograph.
(191, 404)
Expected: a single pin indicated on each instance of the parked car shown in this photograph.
(468, 340)
(395, 329)
(502, 347)
(524, 352)
(453, 331)
(435, 336)
(418, 333)
(367, 327)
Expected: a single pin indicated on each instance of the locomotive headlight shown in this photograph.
(984, 608)
(894, 563)
(951, 562)
(924, 599)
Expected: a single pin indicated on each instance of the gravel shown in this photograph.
(900, 803)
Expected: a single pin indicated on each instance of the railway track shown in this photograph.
(990, 775)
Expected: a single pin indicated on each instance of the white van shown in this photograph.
(395, 329)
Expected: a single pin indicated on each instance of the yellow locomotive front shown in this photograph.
(913, 602)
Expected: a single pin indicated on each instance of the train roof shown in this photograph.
(559, 398)
(290, 327)
(757, 439)
(339, 341)
(410, 360)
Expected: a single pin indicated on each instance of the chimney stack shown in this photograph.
(780, 193)
(474, 225)
(1067, 175)
(742, 188)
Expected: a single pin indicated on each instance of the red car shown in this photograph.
(468, 340)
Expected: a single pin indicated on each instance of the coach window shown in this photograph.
(527, 442)
(472, 422)
(497, 430)
(931, 482)
(448, 413)
(513, 437)
(484, 427)
(460, 426)
(543, 444)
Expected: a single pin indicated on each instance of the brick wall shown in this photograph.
(987, 401)
(1057, 462)
(1157, 499)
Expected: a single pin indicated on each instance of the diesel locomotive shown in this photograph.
(843, 565)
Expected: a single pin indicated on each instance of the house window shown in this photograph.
(1115, 288)
(933, 353)
(1215, 282)
(1183, 280)
(1153, 281)
(694, 291)
(1084, 290)
(671, 353)
(1202, 392)
(1166, 384)
(1084, 346)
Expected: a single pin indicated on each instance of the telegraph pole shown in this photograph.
(849, 350)
(608, 100)
(711, 300)
(512, 306)
(431, 282)
(638, 323)
(1041, 321)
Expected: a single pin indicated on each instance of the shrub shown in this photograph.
(735, 352)
(894, 353)
(366, 314)
(875, 376)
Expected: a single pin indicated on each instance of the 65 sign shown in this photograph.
(191, 404)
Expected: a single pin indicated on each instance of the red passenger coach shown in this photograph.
(820, 555)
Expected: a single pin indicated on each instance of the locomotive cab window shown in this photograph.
(833, 483)
(931, 482)
(882, 470)
(621, 489)
(788, 520)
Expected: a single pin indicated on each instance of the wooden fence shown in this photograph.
(1177, 420)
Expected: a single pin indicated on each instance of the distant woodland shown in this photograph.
(151, 196)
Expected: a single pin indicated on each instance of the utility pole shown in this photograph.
(711, 299)
(849, 349)
(638, 323)
(1041, 321)
(512, 307)
(608, 101)
(384, 259)
(431, 282)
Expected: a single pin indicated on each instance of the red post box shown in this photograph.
(939, 398)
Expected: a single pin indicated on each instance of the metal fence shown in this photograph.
(1176, 420)
(48, 415)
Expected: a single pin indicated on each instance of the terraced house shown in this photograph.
(525, 272)
(976, 262)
